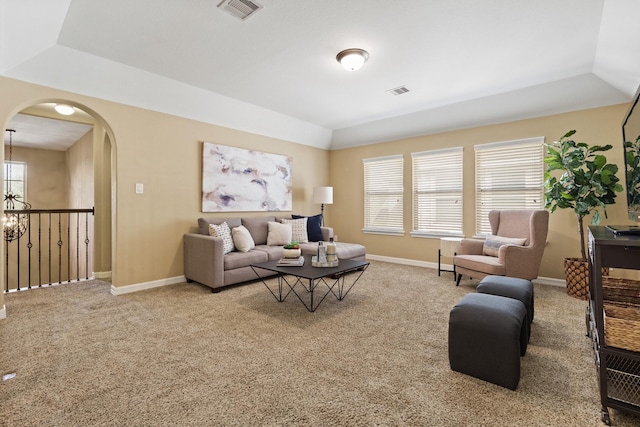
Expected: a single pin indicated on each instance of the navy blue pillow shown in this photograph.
(313, 226)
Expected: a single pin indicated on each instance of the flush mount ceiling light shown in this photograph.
(64, 109)
(352, 59)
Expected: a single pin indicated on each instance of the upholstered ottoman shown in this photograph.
(486, 337)
(510, 287)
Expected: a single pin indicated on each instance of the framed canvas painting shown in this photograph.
(237, 179)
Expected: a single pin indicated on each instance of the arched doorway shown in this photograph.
(73, 154)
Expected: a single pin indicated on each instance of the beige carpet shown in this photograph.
(180, 355)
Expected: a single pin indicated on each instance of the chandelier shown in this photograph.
(14, 222)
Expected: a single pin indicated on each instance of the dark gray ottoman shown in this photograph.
(486, 333)
(510, 287)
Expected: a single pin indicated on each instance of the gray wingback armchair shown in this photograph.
(514, 249)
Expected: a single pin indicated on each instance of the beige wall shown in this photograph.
(46, 189)
(55, 180)
(595, 126)
(79, 164)
(46, 176)
(80, 184)
(164, 153)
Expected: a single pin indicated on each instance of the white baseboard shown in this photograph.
(3, 312)
(121, 290)
(551, 281)
(101, 275)
(541, 280)
(406, 261)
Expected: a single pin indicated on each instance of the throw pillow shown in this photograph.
(314, 233)
(279, 234)
(242, 239)
(298, 229)
(224, 232)
(493, 243)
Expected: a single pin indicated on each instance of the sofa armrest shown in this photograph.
(204, 259)
(327, 233)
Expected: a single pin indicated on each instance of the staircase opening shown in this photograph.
(68, 185)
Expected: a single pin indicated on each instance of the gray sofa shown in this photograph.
(206, 263)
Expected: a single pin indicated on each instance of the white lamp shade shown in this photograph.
(323, 195)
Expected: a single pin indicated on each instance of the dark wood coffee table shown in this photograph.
(330, 280)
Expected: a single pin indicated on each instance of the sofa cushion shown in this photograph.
(243, 259)
(258, 228)
(224, 232)
(279, 234)
(492, 244)
(343, 250)
(203, 223)
(350, 250)
(242, 239)
(298, 229)
(314, 233)
(274, 253)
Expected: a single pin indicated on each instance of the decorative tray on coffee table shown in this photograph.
(315, 263)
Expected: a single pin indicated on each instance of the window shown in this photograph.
(383, 199)
(509, 175)
(437, 192)
(15, 177)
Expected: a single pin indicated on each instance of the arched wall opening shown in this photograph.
(102, 182)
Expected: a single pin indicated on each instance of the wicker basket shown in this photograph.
(622, 325)
(621, 290)
(576, 272)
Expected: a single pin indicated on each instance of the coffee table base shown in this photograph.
(311, 285)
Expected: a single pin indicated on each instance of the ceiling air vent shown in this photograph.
(398, 90)
(241, 9)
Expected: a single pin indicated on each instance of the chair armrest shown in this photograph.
(327, 233)
(471, 247)
(204, 259)
(520, 261)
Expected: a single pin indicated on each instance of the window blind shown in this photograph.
(383, 195)
(437, 192)
(509, 175)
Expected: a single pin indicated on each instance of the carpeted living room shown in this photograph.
(399, 127)
(179, 355)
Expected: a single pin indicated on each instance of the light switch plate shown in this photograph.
(139, 188)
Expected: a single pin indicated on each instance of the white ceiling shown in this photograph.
(466, 62)
(45, 133)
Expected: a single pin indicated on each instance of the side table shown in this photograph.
(449, 247)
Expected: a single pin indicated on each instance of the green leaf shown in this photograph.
(596, 218)
(600, 161)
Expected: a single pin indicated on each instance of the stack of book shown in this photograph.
(291, 262)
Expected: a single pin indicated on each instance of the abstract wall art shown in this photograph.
(236, 179)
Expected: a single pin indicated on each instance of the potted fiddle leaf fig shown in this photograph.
(587, 183)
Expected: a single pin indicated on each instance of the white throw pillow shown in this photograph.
(224, 232)
(493, 243)
(242, 239)
(298, 229)
(279, 234)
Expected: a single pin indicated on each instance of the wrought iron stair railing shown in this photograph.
(55, 248)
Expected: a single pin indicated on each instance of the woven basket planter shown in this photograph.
(576, 271)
